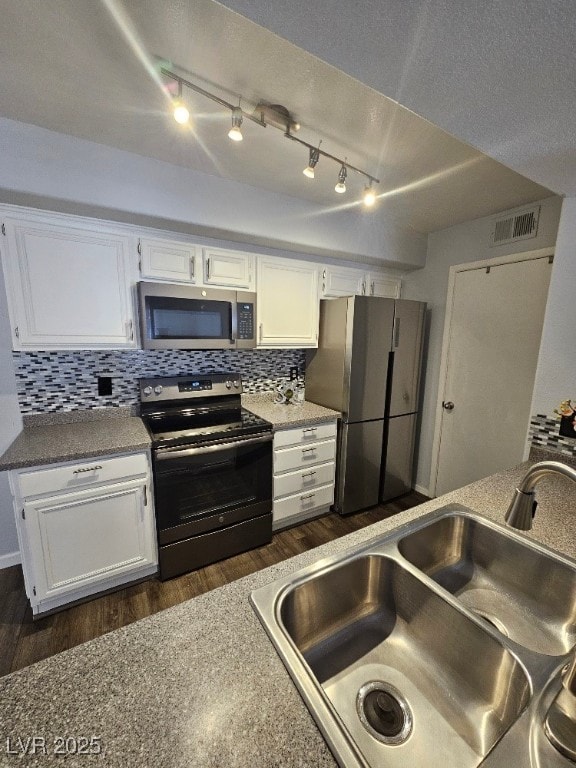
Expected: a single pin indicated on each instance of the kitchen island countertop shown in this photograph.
(200, 684)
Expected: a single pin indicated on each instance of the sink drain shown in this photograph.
(384, 712)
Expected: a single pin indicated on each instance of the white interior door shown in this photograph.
(494, 338)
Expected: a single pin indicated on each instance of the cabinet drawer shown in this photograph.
(303, 456)
(290, 506)
(303, 435)
(303, 480)
(69, 477)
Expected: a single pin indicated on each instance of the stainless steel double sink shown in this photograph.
(439, 644)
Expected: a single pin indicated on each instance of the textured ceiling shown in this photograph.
(498, 75)
(88, 68)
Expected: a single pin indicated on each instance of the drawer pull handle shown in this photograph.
(307, 496)
(308, 450)
(86, 469)
(310, 429)
(308, 474)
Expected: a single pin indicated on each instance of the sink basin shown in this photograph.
(520, 589)
(439, 644)
(371, 623)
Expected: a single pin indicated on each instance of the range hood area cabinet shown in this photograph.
(182, 262)
(68, 287)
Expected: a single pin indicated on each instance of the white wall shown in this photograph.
(556, 372)
(45, 169)
(10, 426)
(463, 243)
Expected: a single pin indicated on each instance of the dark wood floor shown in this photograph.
(24, 641)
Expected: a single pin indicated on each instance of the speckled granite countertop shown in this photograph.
(200, 685)
(285, 416)
(49, 439)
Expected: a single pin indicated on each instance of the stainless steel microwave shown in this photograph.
(187, 317)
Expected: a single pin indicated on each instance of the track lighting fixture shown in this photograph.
(276, 116)
(235, 133)
(181, 113)
(312, 162)
(369, 196)
(341, 185)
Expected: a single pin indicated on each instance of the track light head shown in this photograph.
(235, 133)
(181, 113)
(312, 162)
(369, 195)
(341, 185)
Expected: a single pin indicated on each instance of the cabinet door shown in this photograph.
(288, 305)
(79, 540)
(228, 269)
(382, 285)
(343, 281)
(169, 260)
(68, 288)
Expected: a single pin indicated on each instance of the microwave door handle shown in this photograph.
(233, 322)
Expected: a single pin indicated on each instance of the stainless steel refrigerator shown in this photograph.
(367, 366)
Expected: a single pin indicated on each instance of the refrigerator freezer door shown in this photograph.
(358, 474)
(399, 472)
(407, 347)
(368, 357)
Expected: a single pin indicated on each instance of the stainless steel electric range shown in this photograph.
(212, 466)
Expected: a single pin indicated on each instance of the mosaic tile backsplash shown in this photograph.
(544, 434)
(65, 381)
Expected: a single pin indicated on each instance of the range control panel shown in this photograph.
(185, 387)
(195, 385)
(245, 320)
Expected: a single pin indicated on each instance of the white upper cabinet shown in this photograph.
(288, 306)
(180, 262)
(228, 269)
(68, 287)
(170, 260)
(342, 281)
(383, 285)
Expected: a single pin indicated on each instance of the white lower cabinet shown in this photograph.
(84, 527)
(304, 466)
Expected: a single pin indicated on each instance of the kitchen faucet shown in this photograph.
(560, 722)
(523, 505)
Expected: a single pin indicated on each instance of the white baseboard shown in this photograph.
(423, 491)
(12, 558)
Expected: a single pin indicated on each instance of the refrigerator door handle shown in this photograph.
(396, 332)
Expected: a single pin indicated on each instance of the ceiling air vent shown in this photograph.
(520, 226)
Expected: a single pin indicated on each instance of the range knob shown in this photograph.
(228, 384)
(236, 384)
(147, 390)
(158, 389)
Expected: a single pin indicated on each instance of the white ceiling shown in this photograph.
(498, 75)
(87, 68)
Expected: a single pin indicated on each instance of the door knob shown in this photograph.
(448, 405)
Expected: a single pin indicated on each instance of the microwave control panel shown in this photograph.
(245, 320)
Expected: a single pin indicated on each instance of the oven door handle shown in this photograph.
(163, 454)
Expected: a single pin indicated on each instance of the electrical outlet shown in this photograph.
(104, 385)
(293, 373)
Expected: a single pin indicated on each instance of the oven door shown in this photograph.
(203, 488)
